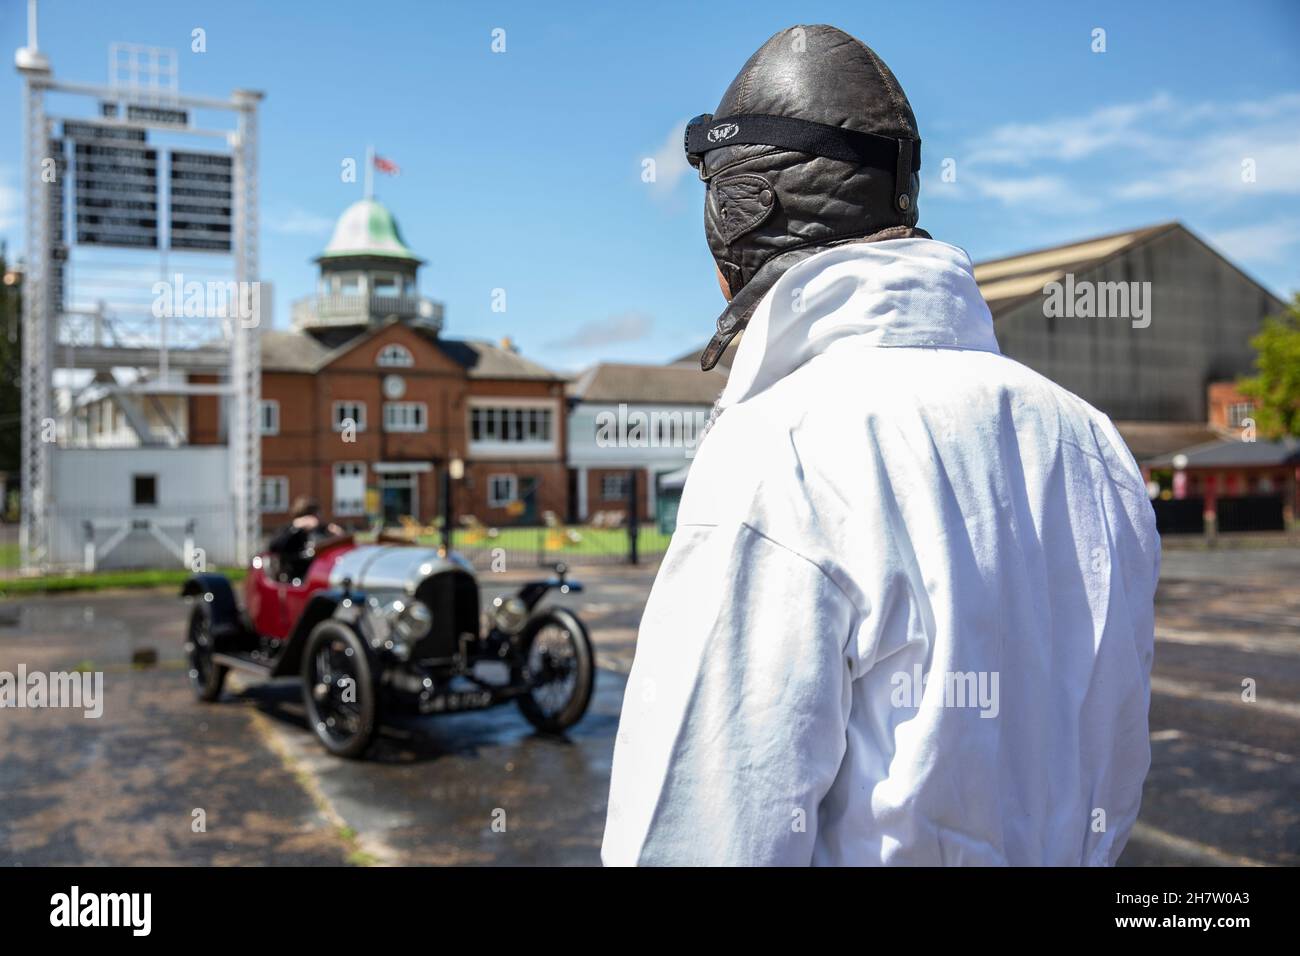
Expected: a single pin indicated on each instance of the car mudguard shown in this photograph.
(322, 605)
(532, 592)
(215, 589)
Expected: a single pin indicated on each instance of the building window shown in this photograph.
(349, 488)
(1239, 412)
(144, 489)
(269, 416)
(387, 284)
(614, 487)
(275, 494)
(351, 283)
(502, 489)
(510, 424)
(395, 356)
(404, 417)
(349, 411)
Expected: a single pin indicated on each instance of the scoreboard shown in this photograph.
(118, 186)
(201, 201)
(116, 181)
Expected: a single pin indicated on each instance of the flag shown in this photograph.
(387, 166)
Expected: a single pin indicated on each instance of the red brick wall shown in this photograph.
(307, 446)
(510, 388)
(296, 442)
(471, 494)
(597, 502)
(551, 473)
(1219, 397)
(204, 414)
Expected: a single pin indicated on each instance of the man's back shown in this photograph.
(907, 612)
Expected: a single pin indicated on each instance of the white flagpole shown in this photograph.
(370, 172)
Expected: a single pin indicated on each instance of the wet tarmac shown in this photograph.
(1225, 712)
(162, 779)
(128, 788)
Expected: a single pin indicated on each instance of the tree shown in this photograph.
(1275, 387)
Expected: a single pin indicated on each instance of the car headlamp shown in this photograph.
(414, 621)
(398, 624)
(509, 614)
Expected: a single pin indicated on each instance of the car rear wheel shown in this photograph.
(206, 676)
(339, 689)
(560, 671)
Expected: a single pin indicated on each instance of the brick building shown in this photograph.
(365, 404)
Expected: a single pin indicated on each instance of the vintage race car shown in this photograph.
(377, 629)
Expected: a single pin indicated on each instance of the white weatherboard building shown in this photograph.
(143, 507)
(625, 417)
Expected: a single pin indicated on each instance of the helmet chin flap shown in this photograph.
(813, 144)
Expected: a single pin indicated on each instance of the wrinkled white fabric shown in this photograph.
(907, 613)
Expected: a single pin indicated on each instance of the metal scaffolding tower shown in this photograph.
(143, 97)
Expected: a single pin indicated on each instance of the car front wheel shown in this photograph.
(560, 672)
(339, 689)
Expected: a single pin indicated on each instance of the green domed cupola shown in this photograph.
(367, 229)
(368, 275)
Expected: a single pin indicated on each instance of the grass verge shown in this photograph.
(102, 580)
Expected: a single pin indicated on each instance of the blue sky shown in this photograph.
(522, 170)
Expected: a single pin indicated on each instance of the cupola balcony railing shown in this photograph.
(364, 309)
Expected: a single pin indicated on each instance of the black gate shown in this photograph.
(1180, 515)
(1251, 513)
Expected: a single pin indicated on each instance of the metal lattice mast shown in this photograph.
(34, 533)
(143, 95)
(246, 358)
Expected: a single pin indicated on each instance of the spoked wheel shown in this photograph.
(339, 690)
(560, 672)
(206, 676)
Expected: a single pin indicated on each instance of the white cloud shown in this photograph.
(1069, 138)
(1056, 191)
(298, 222)
(1214, 167)
(616, 330)
(1260, 242)
(1159, 148)
(669, 163)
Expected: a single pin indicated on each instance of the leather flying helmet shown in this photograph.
(813, 144)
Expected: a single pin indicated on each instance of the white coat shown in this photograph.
(907, 613)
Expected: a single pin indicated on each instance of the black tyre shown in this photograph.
(339, 690)
(206, 677)
(560, 670)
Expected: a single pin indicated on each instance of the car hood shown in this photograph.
(392, 567)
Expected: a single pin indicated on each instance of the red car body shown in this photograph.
(273, 606)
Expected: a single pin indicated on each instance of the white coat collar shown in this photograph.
(898, 293)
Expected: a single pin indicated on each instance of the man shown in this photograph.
(294, 543)
(907, 613)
